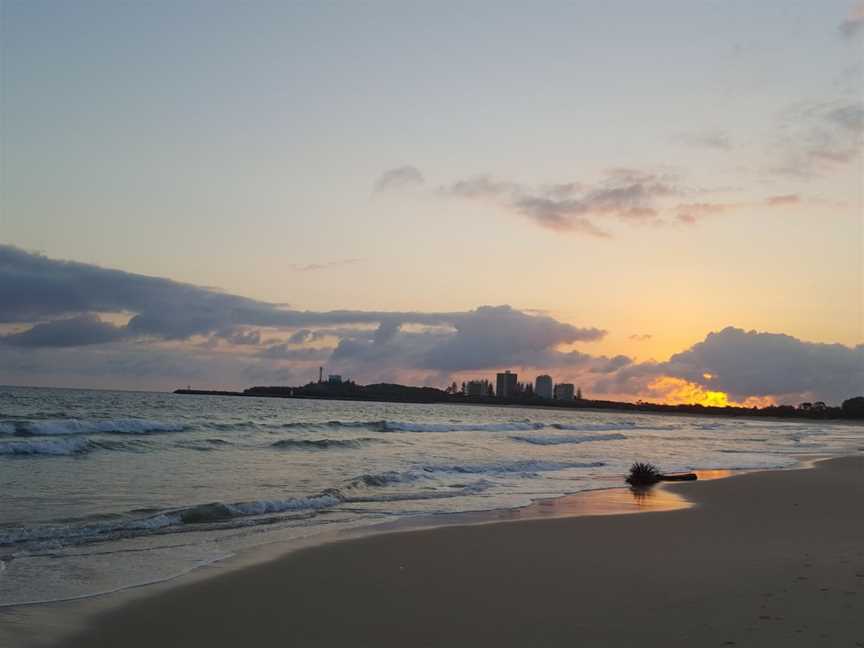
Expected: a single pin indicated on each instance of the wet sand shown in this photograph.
(764, 559)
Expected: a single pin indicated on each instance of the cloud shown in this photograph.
(242, 336)
(643, 337)
(61, 303)
(284, 352)
(780, 201)
(819, 138)
(82, 330)
(301, 336)
(627, 195)
(612, 364)
(37, 290)
(710, 139)
(400, 178)
(486, 338)
(62, 319)
(746, 364)
(622, 195)
(691, 213)
(309, 267)
(853, 25)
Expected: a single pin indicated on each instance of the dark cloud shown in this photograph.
(58, 304)
(404, 177)
(497, 336)
(749, 363)
(242, 337)
(488, 337)
(612, 364)
(301, 336)
(74, 331)
(66, 298)
(711, 139)
(37, 290)
(284, 352)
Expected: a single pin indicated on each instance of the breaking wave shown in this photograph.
(428, 471)
(457, 426)
(547, 440)
(514, 426)
(204, 445)
(503, 467)
(57, 427)
(65, 447)
(595, 427)
(50, 447)
(172, 521)
(321, 444)
(383, 479)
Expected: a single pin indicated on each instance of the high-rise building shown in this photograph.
(565, 391)
(505, 384)
(543, 386)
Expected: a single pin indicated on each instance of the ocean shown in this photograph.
(101, 490)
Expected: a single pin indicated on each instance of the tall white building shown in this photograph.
(543, 386)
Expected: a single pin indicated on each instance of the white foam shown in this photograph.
(383, 479)
(523, 466)
(57, 427)
(260, 507)
(513, 426)
(542, 439)
(166, 521)
(51, 447)
(594, 427)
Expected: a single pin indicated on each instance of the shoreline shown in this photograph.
(586, 505)
(734, 567)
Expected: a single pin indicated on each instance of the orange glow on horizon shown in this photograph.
(677, 391)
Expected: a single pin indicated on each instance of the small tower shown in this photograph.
(320, 375)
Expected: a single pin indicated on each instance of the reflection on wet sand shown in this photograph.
(614, 501)
(706, 475)
(602, 502)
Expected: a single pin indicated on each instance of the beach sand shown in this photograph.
(764, 559)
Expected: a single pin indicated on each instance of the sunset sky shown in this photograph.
(580, 188)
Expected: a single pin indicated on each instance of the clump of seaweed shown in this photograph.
(644, 474)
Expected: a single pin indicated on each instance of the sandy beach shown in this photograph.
(763, 559)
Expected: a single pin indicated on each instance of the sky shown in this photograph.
(653, 200)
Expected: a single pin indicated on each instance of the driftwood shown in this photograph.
(646, 474)
(679, 477)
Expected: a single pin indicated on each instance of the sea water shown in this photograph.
(101, 491)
